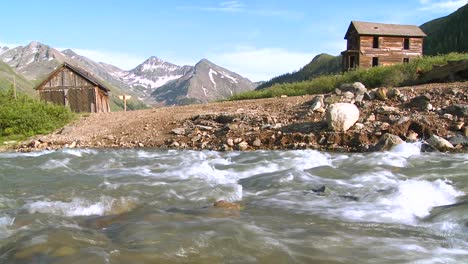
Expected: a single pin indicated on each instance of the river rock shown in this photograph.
(381, 93)
(243, 145)
(342, 116)
(178, 131)
(420, 102)
(439, 143)
(394, 93)
(355, 88)
(458, 139)
(257, 142)
(412, 136)
(348, 95)
(387, 141)
(226, 205)
(317, 102)
(457, 109)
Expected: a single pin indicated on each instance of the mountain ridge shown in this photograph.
(447, 34)
(205, 82)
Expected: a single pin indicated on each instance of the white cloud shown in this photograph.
(261, 64)
(122, 60)
(438, 6)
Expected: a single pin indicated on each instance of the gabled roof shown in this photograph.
(78, 71)
(379, 29)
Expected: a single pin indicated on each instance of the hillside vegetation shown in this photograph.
(447, 34)
(320, 64)
(8, 76)
(395, 75)
(23, 116)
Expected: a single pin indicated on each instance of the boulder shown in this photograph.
(387, 141)
(439, 143)
(341, 116)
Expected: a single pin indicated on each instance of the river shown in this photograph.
(155, 206)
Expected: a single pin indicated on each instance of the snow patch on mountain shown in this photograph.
(234, 80)
(210, 73)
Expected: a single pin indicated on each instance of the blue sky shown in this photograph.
(258, 38)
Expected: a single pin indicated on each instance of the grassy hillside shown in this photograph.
(320, 64)
(395, 75)
(7, 76)
(447, 34)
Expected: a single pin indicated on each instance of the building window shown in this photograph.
(352, 62)
(405, 60)
(406, 44)
(375, 43)
(375, 61)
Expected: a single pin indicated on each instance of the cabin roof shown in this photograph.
(78, 71)
(370, 28)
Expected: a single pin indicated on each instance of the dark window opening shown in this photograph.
(375, 44)
(406, 44)
(375, 61)
(352, 62)
(405, 60)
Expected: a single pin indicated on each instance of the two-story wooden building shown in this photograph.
(75, 88)
(375, 44)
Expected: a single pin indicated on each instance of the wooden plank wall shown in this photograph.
(390, 50)
(82, 96)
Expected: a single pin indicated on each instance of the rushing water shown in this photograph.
(150, 206)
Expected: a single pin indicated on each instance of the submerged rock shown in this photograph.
(226, 205)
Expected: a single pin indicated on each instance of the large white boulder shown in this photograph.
(342, 116)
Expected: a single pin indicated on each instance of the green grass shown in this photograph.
(24, 116)
(390, 76)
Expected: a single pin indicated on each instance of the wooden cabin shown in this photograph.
(73, 87)
(375, 44)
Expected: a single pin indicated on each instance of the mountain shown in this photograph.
(151, 74)
(320, 64)
(203, 83)
(447, 34)
(33, 61)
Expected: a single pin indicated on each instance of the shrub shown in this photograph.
(24, 116)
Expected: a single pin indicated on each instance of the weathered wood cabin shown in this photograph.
(375, 44)
(71, 86)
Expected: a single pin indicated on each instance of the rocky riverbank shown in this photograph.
(352, 119)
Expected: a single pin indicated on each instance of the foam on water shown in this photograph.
(5, 222)
(412, 200)
(82, 207)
